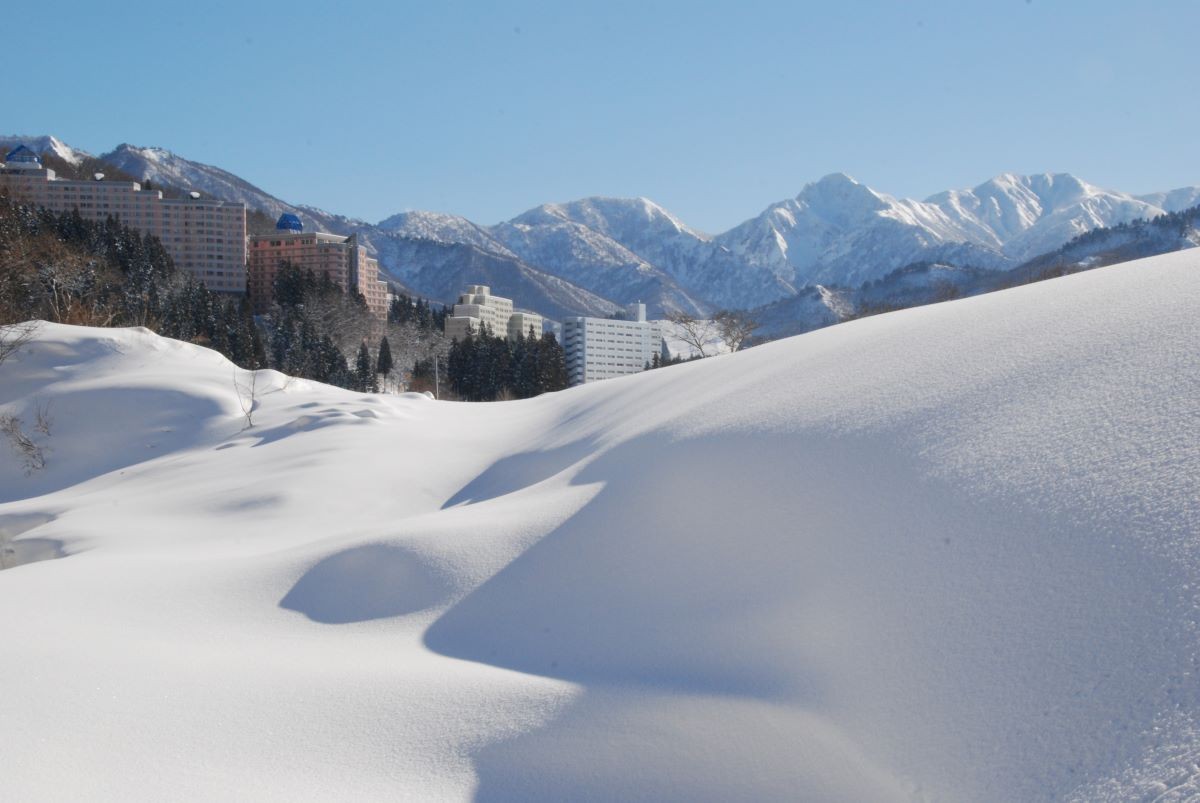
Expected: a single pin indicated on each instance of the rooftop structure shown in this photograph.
(289, 222)
(22, 156)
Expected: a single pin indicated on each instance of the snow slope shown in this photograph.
(949, 553)
(42, 145)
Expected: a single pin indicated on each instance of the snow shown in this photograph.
(948, 553)
(45, 144)
(679, 343)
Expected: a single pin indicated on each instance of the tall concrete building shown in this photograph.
(602, 348)
(478, 307)
(340, 258)
(205, 237)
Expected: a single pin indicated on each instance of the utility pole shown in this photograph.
(437, 383)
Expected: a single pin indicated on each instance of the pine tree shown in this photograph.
(383, 365)
(551, 365)
(364, 376)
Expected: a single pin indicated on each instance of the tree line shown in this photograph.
(63, 268)
(483, 367)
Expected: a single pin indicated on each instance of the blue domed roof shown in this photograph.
(289, 222)
(22, 154)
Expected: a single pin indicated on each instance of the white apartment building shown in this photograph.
(602, 348)
(204, 237)
(478, 307)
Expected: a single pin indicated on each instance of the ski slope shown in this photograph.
(950, 553)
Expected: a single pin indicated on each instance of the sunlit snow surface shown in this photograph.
(949, 553)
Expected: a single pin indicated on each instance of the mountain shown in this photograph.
(166, 169)
(837, 231)
(1175, 200)
(840, 232)
(1028, 215)
(929, 282)
(638, 233)
(442, 270)
(43, 145)
(442, 228)
(412, 254)
(600, 253)
(944, 554)
(591, 258)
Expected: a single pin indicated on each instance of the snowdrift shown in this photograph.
(949, 553)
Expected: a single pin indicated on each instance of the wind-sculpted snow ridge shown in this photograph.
(949, 553)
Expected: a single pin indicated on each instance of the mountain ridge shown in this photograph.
(835, 232)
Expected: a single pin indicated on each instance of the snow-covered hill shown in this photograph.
(43, 145)
(853, 565)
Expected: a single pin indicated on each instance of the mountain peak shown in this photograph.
(837, 196)
(46, 143)
(836, 179)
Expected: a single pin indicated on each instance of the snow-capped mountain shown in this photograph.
(441, 270)
(1175, 200)
(1024, 216)
(442, 228)
(591, 258)
(604, 252)
(43, 145)
(639, 232)
(434, 255)
(838, 231)
(166, 169)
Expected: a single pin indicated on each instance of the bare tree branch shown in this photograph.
(14, 337)
(247, 393)
(697, 333)
(25, 446)
(734, 327)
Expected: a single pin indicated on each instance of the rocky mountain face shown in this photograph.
(595, 254)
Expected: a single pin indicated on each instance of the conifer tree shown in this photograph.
(383, 365)
(364, 375)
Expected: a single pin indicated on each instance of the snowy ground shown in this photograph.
(950, 553)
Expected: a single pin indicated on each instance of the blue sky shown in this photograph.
(712, 109)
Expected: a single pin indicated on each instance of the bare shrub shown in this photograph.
(734, 327)
(246, 388)
(30, 452)
(44, 421)
(696, 333)
(14, 337)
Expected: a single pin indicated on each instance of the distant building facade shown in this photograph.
(340, 258)
(602, 348)
(205, 237)
(477, 308)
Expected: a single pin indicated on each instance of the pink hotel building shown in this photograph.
(205, 237)
(342, 259)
